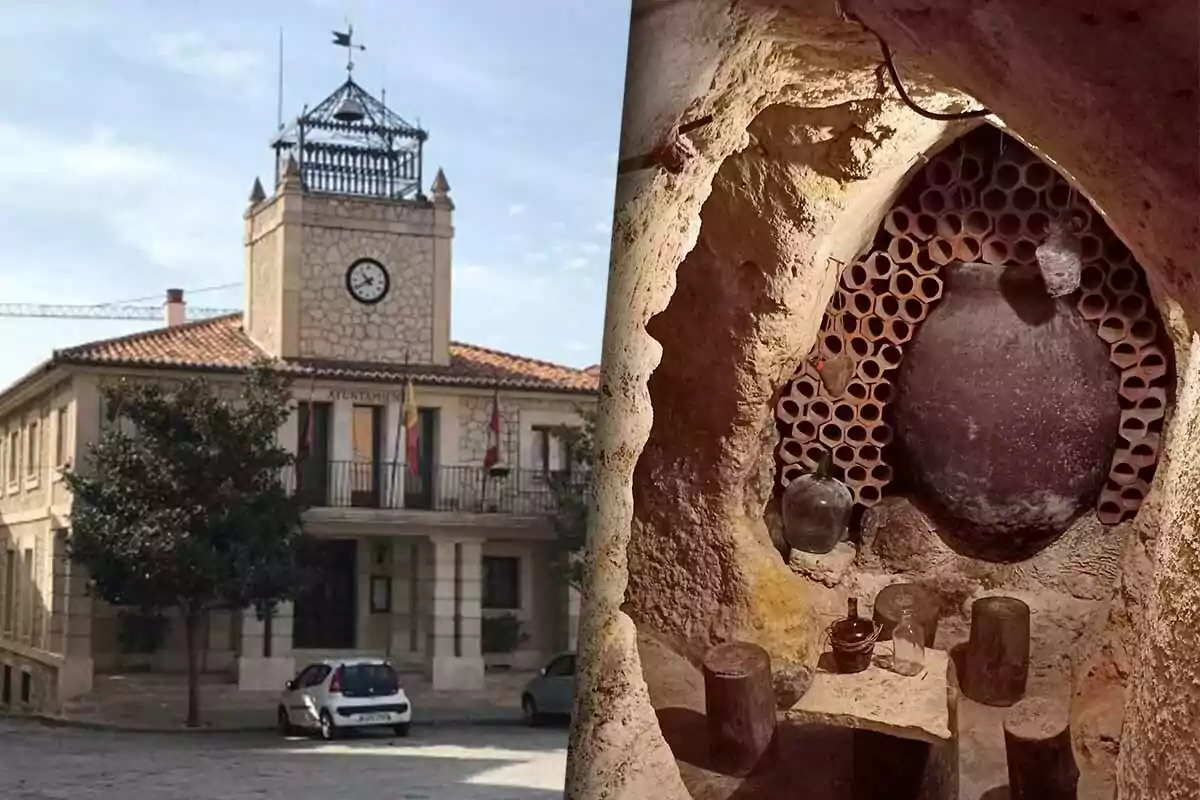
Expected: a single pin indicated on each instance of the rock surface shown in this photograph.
(877, 699)
(828, 569)
(818, 148)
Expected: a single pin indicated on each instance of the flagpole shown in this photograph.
(399, 427)
(279, 96)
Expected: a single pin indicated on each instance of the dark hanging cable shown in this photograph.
(908, 101)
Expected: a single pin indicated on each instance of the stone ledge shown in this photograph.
(919, 707)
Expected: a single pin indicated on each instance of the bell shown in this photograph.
(349, 110)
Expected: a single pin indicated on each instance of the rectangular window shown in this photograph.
(33, 455)
(14, 457)
(61, 440)
(550, 452)
(501, 582)
(25, 600)
(7, 614)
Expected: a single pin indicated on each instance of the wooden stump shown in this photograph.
(739, 700)
(1037, 742)
(996, 666)
(924, 604)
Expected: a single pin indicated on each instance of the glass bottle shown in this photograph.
(816, 510)
(908, 644)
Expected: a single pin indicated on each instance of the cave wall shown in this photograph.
(693, 57)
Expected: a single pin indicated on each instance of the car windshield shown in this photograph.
(369, 680)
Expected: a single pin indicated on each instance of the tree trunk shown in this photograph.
(1037, 742)
(997, 657)
(191, 622)
(740, 702)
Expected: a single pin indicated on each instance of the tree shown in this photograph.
(569, 490)
(182, 504)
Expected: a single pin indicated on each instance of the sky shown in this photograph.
(131, 132)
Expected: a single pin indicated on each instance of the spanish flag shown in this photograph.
(412, 442)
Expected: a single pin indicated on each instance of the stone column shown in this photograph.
(456, 661)
(341, 452)
(408, 642)
(288, 435)
(573, 601)
(263, 667)
(70, 623)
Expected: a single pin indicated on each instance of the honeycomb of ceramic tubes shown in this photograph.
(971, 206)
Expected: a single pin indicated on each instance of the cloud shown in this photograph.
(145, 199)
(579, 262)
(516, 210)
(215, 63)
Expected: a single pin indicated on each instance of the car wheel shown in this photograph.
(329, 730)
(530, 710)
(284, 722)
(402, 729)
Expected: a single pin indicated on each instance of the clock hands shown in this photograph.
(367, 281)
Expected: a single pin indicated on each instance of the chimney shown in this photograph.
(175, 309)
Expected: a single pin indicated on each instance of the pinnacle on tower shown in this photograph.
(257, 194)
(291, 175)
(441, 190)
(440, 184)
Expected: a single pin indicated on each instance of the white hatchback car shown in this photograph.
(335, 695)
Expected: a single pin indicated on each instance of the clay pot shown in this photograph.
(1006, 413)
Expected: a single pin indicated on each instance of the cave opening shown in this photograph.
(945, 372)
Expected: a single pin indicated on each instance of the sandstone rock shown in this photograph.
(828, 569)
(688, 553)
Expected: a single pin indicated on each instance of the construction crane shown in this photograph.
(122, 309)
(104, 311)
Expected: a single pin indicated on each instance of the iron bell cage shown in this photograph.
(352, 144)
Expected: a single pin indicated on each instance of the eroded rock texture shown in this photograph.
(1106, 94)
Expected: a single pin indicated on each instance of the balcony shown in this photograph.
(469, 489)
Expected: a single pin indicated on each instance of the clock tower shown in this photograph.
(348, 259)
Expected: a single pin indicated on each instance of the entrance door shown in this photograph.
(420, 489)
(367, 439)
(312, 458)
(325, 614)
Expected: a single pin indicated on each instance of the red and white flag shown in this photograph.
(492, 457)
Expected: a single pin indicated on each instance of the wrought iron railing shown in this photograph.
(391, 485)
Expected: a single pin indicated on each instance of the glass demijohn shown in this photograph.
(908, 643)
(816, 510)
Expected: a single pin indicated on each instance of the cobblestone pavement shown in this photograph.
(440, 763)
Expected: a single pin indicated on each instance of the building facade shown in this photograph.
(347, 277)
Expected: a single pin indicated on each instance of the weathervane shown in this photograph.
(346, 40)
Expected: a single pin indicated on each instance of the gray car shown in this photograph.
(552, 692)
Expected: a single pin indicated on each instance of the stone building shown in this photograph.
(347, 276)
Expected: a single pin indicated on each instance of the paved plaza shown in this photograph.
(443, 762)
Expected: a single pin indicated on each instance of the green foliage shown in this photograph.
(502, 633)
(570, 492)
(180, 503)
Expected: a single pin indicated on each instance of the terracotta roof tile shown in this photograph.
(221, 344)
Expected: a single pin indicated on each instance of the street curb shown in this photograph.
(53, 721)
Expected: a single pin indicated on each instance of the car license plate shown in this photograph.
(374, 717)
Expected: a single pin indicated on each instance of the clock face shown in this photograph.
(368, 281)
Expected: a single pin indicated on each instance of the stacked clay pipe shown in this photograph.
(977, 206)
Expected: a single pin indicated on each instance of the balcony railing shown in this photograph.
(389, 485)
